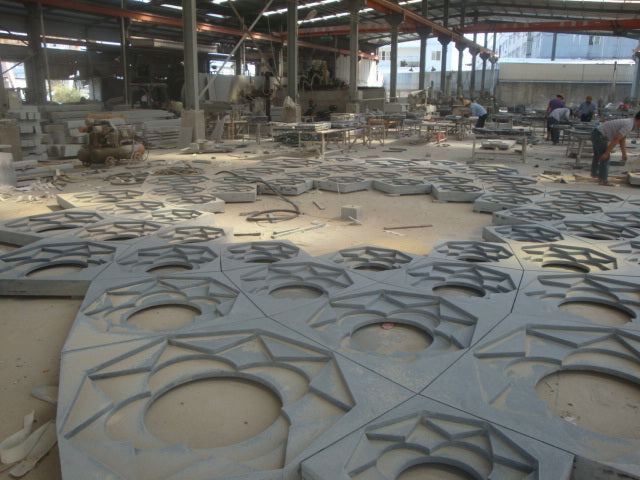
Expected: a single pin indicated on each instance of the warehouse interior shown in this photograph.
(274, 239)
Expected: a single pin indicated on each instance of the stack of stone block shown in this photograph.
(28, 119)
(64, 140)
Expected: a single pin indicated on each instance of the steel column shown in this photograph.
(394, 20)
(424, 33)
(472, 80)
(34, 66)
(493, 59)
(393, 75)
(354, 17)
(292, 50)
(484, 56)
(190, 55)
(635, 85)
(460, 47)
(124, 55)
(444, 41)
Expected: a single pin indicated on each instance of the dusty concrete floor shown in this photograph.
(33, 330)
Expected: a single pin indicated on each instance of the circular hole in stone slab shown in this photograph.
(55, 270)
(296, 292)
(598, 312)
(571, 267)
(595, 236)
(434, 471)
(213, 412)
(166, 269)
(595, 401)
(164, 317)
(262, 260)
(388, 338)
(472, 259)
(372, 267)
(119, 237)
(57, 228)
(458, 291)
(8, 247)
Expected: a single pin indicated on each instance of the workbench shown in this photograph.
(579, 144)
(478, 153)
(341, 137)
(236, 128)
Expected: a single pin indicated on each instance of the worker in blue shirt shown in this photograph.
(587, 109)
(479, 111)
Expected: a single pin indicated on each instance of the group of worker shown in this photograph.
(604, 136)
(558, 113)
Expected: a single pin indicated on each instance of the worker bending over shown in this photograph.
(558, 116)
(604, 139)
(479, 111)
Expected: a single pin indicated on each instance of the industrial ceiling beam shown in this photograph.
(363, 28)
(562, 26)
(151, 18)
(388, 7)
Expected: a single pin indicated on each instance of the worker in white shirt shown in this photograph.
(556, 117)
(604, 138)
(477, 110)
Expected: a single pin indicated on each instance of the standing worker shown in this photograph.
(554, 103)
(479, 111)
(556, 117)
(604, 139)
(587, 109)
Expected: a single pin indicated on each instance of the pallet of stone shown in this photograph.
(142, 116)
(25, 164)
(162, 133)
(62, 113)
(30, 132)
(25, 112)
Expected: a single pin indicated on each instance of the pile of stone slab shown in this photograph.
(64, 140)
(28, 118)
(163, 133)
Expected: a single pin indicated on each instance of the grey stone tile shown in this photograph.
(402, 186)
(374, 262)
(494, 202)
(514, 216)
(344, 184)
(294, 284)
(592, 298)
(24, 230)
(107, 392)
(569, 255)
(61, 267)
(250, 254)
(111, 310)
(446, 192)
(593, 231)
(401, 333)
(521, 233)
(476, 252)
(497, 381)
(424, 432)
